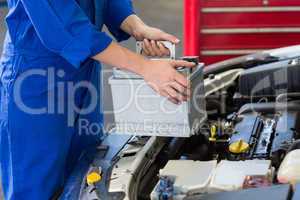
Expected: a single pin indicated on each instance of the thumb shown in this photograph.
(183, 63)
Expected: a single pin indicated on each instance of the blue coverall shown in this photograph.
(38, 149)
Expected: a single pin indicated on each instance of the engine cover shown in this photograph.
(267, 129)
(271, 79)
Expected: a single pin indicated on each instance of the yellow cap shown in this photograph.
(93, 178)
(213, 133)
(239, 147)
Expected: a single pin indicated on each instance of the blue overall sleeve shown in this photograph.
(63, 28)
(117, 12)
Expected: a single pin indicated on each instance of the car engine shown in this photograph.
(252, 132)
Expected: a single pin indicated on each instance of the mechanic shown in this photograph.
(39, 148)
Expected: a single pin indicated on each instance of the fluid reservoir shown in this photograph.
(289, 171)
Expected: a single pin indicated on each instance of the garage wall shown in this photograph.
(3, 12)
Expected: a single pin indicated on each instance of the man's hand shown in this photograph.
(151, 44)
(149, 35)
(162, 76)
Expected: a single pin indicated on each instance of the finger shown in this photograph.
(175, 95)
(182, 80)
(149, 47)
(145, 50)
(163, 49)
(179, 88)
(183, 63)
(165, 94)
(155, 48)
(169, 37)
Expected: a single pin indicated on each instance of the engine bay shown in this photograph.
(247, 149)
(248, 145)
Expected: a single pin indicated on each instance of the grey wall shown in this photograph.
(3, 12)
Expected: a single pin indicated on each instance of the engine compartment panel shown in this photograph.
(247, 135)
(268, 131)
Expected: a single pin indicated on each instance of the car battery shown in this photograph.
(139, 110)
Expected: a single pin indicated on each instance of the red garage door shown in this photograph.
(221, 29)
